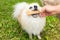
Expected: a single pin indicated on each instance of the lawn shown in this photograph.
(11, 30)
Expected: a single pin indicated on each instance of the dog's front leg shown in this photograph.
(30, 36)
(39, 37)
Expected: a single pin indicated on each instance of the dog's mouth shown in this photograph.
(35, 15)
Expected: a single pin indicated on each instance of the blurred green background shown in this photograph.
(11, 30)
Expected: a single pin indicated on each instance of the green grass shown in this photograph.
(11, 30)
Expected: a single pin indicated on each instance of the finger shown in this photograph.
(49, 14)
(43, 9)
(42, 14)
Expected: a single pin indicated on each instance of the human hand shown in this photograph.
(48, 10)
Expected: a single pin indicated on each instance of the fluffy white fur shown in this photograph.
(30, 24)
(18, 7)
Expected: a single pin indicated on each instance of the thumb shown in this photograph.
(43, 9)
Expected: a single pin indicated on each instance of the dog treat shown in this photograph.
(32, 12)
(35, 12)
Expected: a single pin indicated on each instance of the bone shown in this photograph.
(32, 12)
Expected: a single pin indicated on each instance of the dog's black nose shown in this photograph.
(35, 7)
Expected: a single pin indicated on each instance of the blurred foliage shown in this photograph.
(10, 29)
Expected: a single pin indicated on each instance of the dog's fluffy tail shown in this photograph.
(18, 7)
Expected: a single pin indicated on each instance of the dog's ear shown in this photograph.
(18, 9)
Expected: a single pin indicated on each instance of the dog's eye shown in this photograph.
(30, 8)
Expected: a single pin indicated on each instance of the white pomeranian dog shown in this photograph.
(28, 16)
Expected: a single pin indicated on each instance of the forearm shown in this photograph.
(57, 9)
